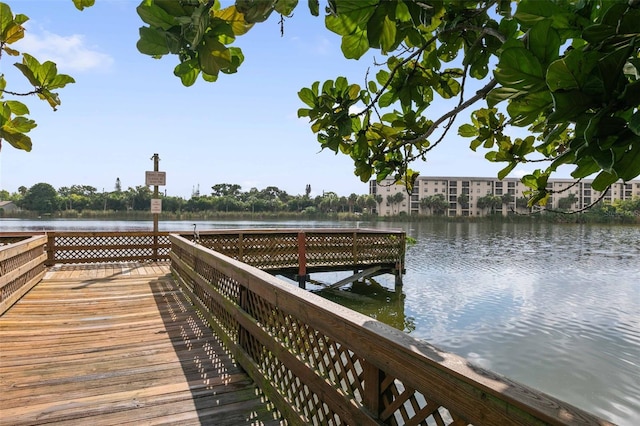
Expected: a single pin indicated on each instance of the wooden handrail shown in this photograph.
(319, 362)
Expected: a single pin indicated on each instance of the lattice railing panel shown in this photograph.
(94, 247)
(264, 251)
(14, 262)
(329, 359)
(402, 405)
(372, 248)
(329, 250)
(227, 244)
(270, 250)
(291, 387)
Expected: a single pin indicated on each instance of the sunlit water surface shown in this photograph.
(555, 307)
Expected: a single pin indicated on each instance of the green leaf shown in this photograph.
(467, 131)
(314, 7)
(155, 16)
(387, 99)
(307, 96)
(611, 69)
(17, 140)
(20, 125)
(568, 105)
(6, 17)
(17, 108)
(382, 33)
(59, 81)
(604, 180)
(215, 57)
(544, 42)
(355, 45)
(519, 69)
(152, 42)
(187, 71)
(255, 11)
(30, 68)
(525, 110)
(504, 172)
(235, 19)
(586, 166)
(628, 167)
(81, 4)
(500, 94)
(285, 7)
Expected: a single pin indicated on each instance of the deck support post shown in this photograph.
(398, 273)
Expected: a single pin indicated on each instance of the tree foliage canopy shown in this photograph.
(565, 73)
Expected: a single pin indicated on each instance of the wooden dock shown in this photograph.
(118, 344)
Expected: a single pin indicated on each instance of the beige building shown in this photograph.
(467, 196)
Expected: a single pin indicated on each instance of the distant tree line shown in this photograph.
(43, 198)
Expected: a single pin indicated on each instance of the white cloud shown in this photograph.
(70, 53)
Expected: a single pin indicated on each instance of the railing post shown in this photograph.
(372, 380)
(51, 242)
(354, 251)
(302, 260)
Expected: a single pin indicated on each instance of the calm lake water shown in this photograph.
(555, 307)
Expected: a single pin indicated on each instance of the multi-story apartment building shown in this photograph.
(467, 196)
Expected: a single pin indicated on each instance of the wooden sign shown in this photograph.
(155, 178)
(156, 205)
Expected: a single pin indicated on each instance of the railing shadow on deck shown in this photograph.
(223, 394)
(323, 364)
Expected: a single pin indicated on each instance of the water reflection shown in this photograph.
(371, 298)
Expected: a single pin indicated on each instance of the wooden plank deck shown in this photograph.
(117, 344)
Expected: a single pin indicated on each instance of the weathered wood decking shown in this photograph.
(117, 344)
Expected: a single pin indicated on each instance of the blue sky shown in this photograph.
(242, 129)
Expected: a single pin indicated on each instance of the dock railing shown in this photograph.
(323, 364)
(22, 260)
(295, 253)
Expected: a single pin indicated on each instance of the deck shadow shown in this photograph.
(223, 394)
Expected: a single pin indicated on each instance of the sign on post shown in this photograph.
(155, 178)
(156, 205)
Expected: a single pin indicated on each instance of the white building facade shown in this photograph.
(463, 195)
